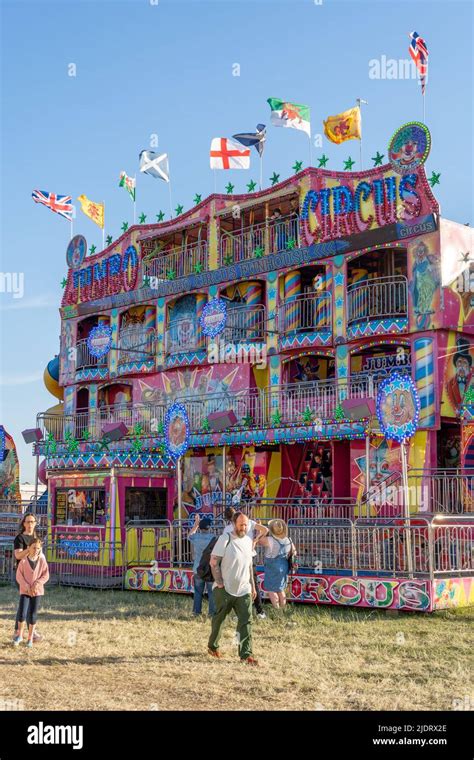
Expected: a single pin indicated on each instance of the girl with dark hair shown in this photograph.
(21, 549)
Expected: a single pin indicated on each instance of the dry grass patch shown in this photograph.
(110, 650)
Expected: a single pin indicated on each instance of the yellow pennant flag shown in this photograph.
(94, 211)
(344, 126)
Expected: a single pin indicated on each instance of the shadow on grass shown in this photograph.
(105, 659)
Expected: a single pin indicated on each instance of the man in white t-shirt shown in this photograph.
(255, 531)
(234, 588)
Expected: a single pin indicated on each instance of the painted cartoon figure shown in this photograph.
(408, 153)
(425, 282)
(177, 432)
(399, 408)
(458, 385)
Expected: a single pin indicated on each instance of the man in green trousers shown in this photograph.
(234, 588)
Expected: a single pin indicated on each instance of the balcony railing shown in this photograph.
(382, 297)
(136, 344)
(244, 323)
(183, 335)
(179, 262)
(255, 408)
(84, 358)
(306, 313)
(277, 235)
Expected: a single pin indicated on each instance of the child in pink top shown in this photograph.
(32, 573)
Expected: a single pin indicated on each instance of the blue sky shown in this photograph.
(167, 68)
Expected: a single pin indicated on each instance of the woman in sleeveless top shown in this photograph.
(278, 549)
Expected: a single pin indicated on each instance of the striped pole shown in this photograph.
(424, 379)
(253, 297)
(358, 277)
(201, 300)
(321, 312)
(292, 289)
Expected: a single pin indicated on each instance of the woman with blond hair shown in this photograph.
(278, 551)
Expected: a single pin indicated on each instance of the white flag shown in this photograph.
(157, 166)
(228, 154)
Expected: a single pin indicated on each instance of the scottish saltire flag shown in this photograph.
(60, 204)
(419, 54)
(285, 114)
(155, 165)
(257, 139)
(228, 154)
(128, 183)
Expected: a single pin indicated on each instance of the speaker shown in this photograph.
(358, 408)
(113, 431)
(32, 435)
(219, 421)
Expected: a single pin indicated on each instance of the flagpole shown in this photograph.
(135, 200)
(261, 171)
(215, 182)
(103, 228)
(171, 202)
(310, 151)
(359, 101)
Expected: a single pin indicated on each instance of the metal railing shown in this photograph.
(84, 358)
(88, 426)
(183, 335)
(306, 313)
(148, 541)
(244, 323)
(10, 523)
(181, 261)
(136, 344)
(449, 491)
(271, 237)
(7, 561)
(87, 564)
(381, 297)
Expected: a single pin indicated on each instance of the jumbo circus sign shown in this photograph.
(337, 208)
(114, 274)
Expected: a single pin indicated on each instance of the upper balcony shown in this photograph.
(380, 298)
(177, 261)
(84, 358)
(259, 240)
(136, 345)
(309, 313)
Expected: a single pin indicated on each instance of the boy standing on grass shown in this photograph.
(32, 573)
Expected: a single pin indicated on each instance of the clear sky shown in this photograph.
(166, 67)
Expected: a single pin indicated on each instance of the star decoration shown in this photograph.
(307, 416)
(197, 199)
(179, 209)
(342, 371)
(434, 179)
(108, 239)
(469, 395)
(160, 216)
(138, 429)
(274, 178)
(228, 259)
(92, 249)
(146, 281)
(276, 418)
(339, 413)
(272, 293)
(275, 379)
(170, 275)
(63, 282)
(248, 420)
(348, 164)
(297, 166)
(86, 434)
(323, 161)
(339, 279)
(251, 186)
(161, 318)
(205, 425)
(378, 159)
(339, 303)
(137, 446)
(229, 188)
(259, 251)
(291, 243)
(142, 219)
(198, 267)
(124, 226)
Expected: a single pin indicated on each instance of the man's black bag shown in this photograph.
(204, 568)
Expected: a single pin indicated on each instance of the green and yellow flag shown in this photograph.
(344, 126)
(93, 210)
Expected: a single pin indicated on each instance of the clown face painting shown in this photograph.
(398, 407)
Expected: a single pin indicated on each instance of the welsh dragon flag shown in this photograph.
(284, 114)
(128, 183)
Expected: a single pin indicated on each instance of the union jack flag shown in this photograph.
(419, 54)
(60, 204)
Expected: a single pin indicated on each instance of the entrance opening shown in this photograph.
(145, 504)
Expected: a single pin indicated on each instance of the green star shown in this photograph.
(146, 281)
(251, 186)
(63, 282)
(124, 227)
(274, 178)
(197, 199)
(137, 446)
(259, 251)
(469, 395)
(160, 216)
(92, 249)
(276, 418)
(291, 243)
(228, 259)
(349, 164)
(248, 420)
(434, 179)
(378, 159)
(86, 434)
(205, 425)
(323, 161)
(171, 274)
(142, 218)
(179, 209)
(307, 416)
(198, 267)
(229, 188)
(108, 239)
(339, 413)
(297, 166)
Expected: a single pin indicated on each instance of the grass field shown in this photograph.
(106, 650)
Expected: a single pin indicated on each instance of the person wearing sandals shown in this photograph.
(278, 550)
(32, 573)
(21, 548)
